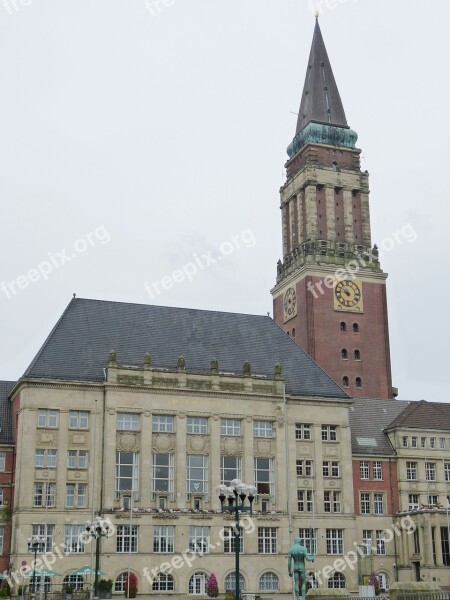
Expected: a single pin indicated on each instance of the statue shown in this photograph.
(298, 553)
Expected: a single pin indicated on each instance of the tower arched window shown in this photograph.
(343, 326)
(358, 382)
(357, 355)
(345, 381)
(344, 353)
(355, 328)
(336, 581)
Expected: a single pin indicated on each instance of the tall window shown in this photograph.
(74, 538)
(78, 419)
(119, 584)
(268, 582)
(445, 546)
(413, 501)
(197, 425)
(199, 538)
(2, 461)
(230, 427)
(331, 501)
(367, 541)
(2, 537)
(44, 494)
(364, 469)
(163, 423)
(262, 429)
(163, 583)
(264, 475)
(430, 471)
(76, 495)
(365, 503)
(229, 539)
(432, 443)
(411, 471)
(335, 541)
(197, 584)
(45, 458)
(381, 541)
(302, 431)
(330, 468)
(77, 581)
(433, 500)
(2, 498)
(162, 475)
(308, 538)
(329, 433)
(127, 422)
(127, 471)
(447, 471)
(77, 459)
(196, 474)
(126, 538)
(378, 508)
(305, 501)
(304, 468)
(230, 468)
(267, 540)
(414, 441)
(45, 531)
(377, 470)
(48, 418)
(163, 536)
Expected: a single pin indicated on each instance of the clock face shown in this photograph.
(348, 294)
(290, 304)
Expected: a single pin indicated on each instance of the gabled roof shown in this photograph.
(6, 432)
(78, 346)
(368, 418)
(320, 101)
(424, 415)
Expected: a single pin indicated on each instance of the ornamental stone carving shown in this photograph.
(78, 438)
(231, 446)
(264, 448)
(330, 451)
(163, 442)
(128, 440)
(304, 450)
(46, 437)
(198, 444)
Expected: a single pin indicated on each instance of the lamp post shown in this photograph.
(97, 528)
(236, 494)
(36, 543)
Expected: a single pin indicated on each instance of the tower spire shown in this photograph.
(320, 101)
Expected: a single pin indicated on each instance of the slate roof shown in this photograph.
(424, 415)
(6, 432)
(320, 99)
(368, 418)
(78, 346)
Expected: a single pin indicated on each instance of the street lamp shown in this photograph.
(97, 528)
(236, 494)
(36, 544)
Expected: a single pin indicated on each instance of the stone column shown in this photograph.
(331, 214)
(180, 462)
(311, 212)
(348, 217)
(365, 217)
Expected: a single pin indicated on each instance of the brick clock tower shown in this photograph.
(330, 294)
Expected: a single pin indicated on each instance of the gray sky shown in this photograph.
(138, 136)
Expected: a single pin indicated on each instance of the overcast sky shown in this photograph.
(138, 136)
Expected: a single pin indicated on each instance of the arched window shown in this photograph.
(269, 582)
(358, 382)
(355, 328)
(197, 584)
(230, 582)
(384, 582)
(343, 326)
(119, 584)
(344, 353)
(76, 580)
(357, 355)
(163, 583)
(336, 581)
(345, 381)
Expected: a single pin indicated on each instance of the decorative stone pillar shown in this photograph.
(365, 218)
(348, 217)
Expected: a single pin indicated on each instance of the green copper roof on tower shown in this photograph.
(321, 109)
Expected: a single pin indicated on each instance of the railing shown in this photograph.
(424, 596)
